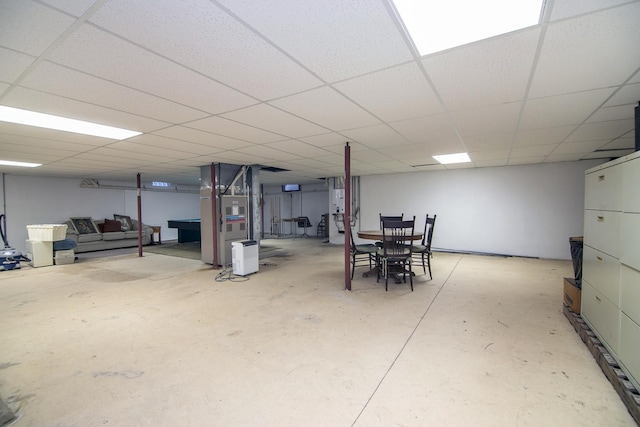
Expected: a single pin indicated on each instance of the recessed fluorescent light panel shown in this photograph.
(19, 164)
(31, 118)
(447, 159)
(436, 25)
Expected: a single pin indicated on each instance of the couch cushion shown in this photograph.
(114, 235)
(89, 237)
(131, 234)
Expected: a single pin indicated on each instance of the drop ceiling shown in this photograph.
(285, 84)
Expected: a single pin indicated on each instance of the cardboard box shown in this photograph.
(572, 294)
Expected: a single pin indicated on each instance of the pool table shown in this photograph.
(188, 229)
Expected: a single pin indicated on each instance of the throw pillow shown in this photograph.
(124, 220)
(111, 225)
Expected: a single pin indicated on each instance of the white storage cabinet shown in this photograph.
(611, 259)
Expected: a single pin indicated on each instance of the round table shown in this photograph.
(377, 235)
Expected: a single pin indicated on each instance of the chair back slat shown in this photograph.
(395, 235)
(390, 218)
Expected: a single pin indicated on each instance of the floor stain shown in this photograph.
(124, 374)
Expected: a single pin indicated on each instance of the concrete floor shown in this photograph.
(157, 341)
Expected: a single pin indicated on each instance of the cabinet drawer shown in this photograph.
(630, 293)
(602, 189)
(602, 316)
(630, 347)
(631, 186)
(630, 239)
(602, 231)
(602, 271)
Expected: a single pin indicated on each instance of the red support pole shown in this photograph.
(214, 216)
(139, 216)
(347, 216)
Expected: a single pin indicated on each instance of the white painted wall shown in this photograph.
(528, 210)
(38, 200)
(312, 201)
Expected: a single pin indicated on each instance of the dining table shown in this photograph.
(377, 236)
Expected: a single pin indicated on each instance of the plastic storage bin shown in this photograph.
(47, 232)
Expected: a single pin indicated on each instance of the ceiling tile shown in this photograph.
(190, 28)
(568, 8)
(52, 104)
(491, 71)
(400, 93)
(209, 139)
(493, 119)
(335, 39)
(324, 140)
(532, 151)
(57, 80)
(269, 153)
(525, 160)
(578, 54)
(488, 142)
(627, 95)
(426, 129)
(563, 110)
(602, 130)
(298, 148)
(582, 147)
(44, 25)
(620, 143)
(542, 136)
(375, 136)
(13, 65)
(311, 106)
(269, 118)
(103, 55)
(236, 130)
(173, 144)
(74, 7)
(489, 155)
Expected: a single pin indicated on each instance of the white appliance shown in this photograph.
(244, 256)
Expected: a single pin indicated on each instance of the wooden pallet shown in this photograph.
(626, 390)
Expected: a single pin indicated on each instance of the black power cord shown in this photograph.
(227, 275)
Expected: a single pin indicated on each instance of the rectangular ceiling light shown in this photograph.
(438, 25)
(31, 118)
(19, 164)
(447, 159)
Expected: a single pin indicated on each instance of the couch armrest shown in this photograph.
(71, 232)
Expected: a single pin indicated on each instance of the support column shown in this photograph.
(347, 216)
(139, 215)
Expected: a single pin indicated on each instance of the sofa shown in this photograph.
(97, 235)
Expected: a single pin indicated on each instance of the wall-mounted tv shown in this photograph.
(290, 187)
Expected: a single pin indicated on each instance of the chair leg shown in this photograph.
(353, 265)
(429, 264)
(423, 263)
(410, 276)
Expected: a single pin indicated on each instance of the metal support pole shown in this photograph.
(347, 216)
(214, 216)
(139, 216)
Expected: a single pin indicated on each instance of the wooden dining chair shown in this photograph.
(362, 253)
(388, 218)
(422, 251)
(394, 257)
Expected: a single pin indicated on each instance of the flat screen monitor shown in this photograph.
(290, 187)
